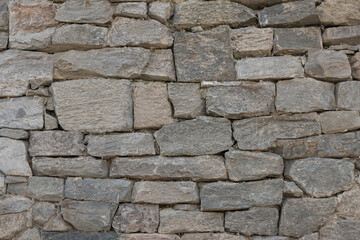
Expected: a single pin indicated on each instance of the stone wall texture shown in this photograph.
(179, 120)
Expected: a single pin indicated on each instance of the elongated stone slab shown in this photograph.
(342, 35)
(339, 121)
(79, 235)
(4, 16)
(46, 188)
(332, 15)
(155, 236)
(14, 204)
(211, 236)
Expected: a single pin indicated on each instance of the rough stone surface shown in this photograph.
(42, 212)
(79, 235)
(50, 122)
(292, 190)
(80, 106)
(347, 95)
(14, 133)
(17, 188)
(186, 207)
(341, 229)
(14, 204)
(355, 65)
(131, 9)
(160, 66)
(4, 16)
(11, 224)
(161, 11)
(30, 234)
(349, 204)
(330, 13)
(57, 224)
(211, 236)
(342, 35)
(4, 36)
(141, 236)
(46, 188)
(312, 236)
(204, 135)
(339, 121)
(259, 4)
(222, 196)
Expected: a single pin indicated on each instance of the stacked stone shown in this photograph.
(179, 120)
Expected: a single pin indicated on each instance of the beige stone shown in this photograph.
(332, 15)
(349, 204)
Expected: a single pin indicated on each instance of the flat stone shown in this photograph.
(131, 9)
(349, 204)
(14, 204)
(17, 188)
(312, 236)
(36, 68)
(13, 159)
(4, 16)
(261, 133)
(342, 35)
(80, 106)
(269, 68)
(15, 179)
(165, 192)
(242, 166)
(88, 215)
(140, 236)
(259, 4)
(252, 42)
(50, 122)
(247, 100)
(46, 188)
(195, 53)
(12, 224)
(139, 33)
(186, 207)
(161, 11)
(292, 190)
(152, 108)
(56, 143)
(332, 15)
(301, 216)
(30, 234)
(297, 41)
(199, 168)
(84, 11)
(339, 121)
(106, 190)
(272, 238)
(211, 236)
(355, 65)
(203, 135)
(347, 95)
(42, 212)
(79, 235)
(304, 95)
(57, 224)
(160, 66)
(186, 99)
(14, 133)
(4, 36)
(223, 196)
(177, 221)
(132, 218)
(107, 62)
(341, 229)
(259, 221)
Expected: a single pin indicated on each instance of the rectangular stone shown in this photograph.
(14, 133)
(46, 188)
(4, 16)
(4, 36)
(160, 67)
(223, 196)
(347, 95)
(211, 236)
(339, 121)
(331, 15)
(125, 144)
(79, 235)
(155, 236)
(131, 9)
(342, 35)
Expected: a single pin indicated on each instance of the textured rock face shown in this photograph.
(355, 65)
(211, 236)
(161, 11)
(342, 35)
(347, 95)
(46, 188)
(4, 36)
(339, 121)
(14, 133)
(349, 204)
(131, 9)
(292, 190)
(347, 229)
(160, 66)
(4, 16)
(79, 235)
(331, 15)
(42, 212)
(140, 236)
(11, 224)
(14, 204)
(30, 233)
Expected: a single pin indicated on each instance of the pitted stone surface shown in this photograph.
(346, 229)
(160, 66)
(348, 97)
(342, 35)
(79, 235)
(330, 13)
(46, 188)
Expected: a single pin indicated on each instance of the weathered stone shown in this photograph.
(195, 53)
(342, 35)
(347, 95)
(301, 216)
(259, 4)
(50, 122)
(79, 235)
(177, 221)
(259, 221)
(269, 68)
(211, 236)
(292, 190)
(41, 92)
(84, 11)
(108, 62)
(132, 218)
(222, 196)
(261, 133)
(312, 236)
(88, 215)
(106, 190)
(57, 224)
(341, 229)
(4, 16)
(17, 188)
(141, 236)
(161, 11)
(247, 100)
(152, 108)
(272, 238)
(242, 166)
(15, 179)
(304, 95)
(12, 224)
(42, 212)
(4, 36)
(165, 192)
(14, 204)
(355, 65)
(204, 135)
(252, 42)
(140, 33)
(349, 204)
(46, 188)
(332, 15)
(56, 143)
(339, 121)
(328, 65)
(30, 234)
(186, 207)
(14, 133)
(200, 168)
(35, 68)
(131, 9)
(209, 14)
(80, 106)
(297, 41)
(160, 66)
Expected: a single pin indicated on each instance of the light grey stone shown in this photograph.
(204, 135)
(15, 179)
(80, 106)
(259, 4)
(341, 229)
(4, 15)
(342, 35)
(292, 190)
(14, 133)
(155, 236)
(349, 204)
(160, 66)
(50, 122)
(131, 9)
(41, 92)
(272, 238)
(12, 224)
(4, 37)
(17, 188)
(42, 212)
(161, 11)
(14, 204)
(355, 65)
(339, 121)
(347, 95)
(211, 236)
(312, 236)
(30, 234)
(186, 207)
(331, 14)
(57, 224)
(79, 235)
(46, 188)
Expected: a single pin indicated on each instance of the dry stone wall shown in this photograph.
(179, 120)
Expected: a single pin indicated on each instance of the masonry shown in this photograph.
(179, 120)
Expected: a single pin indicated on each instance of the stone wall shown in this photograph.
(181, 120)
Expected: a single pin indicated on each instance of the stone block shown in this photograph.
(131, 9)
(46, 188)
(160, 66)
(161, 11)
(331, 15)
(339, 121)
(342, 35)
(347, 95)
(14, 204)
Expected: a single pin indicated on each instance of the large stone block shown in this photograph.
(79, 235)
(211, 236)
(347, 95)
(341, 229)
(349, 204)
(155, 236)
(342, 35)
(93, 105)
(14, 204)
(12, 224)
(339, 121)
(332, 15)
(46, 188)
(160, 67)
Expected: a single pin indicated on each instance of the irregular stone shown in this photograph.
(14, 204)
(57, 224)
(355, 65)
(194, 54)
(139, 33)
(14, 133)
(259, 221)
(304, 95)
(88, 215)
(30, 234)
(247, 100)
(339, 121)
(211, 236)
(50, 122)
(131, 218)
(4, 36)
(312, 236)
(271, 238)
(36, 68)
(161, 11)
(13, 159)
(14, 179)
(259, 4)
(140, 236)
(341, 229)
(328, 65)
(46, 188)
(252, 42)
(80, 106)
(211, 14)
(12, 224)
(56, 143)
(152, 108)
(186, 207)
(301, 216)
(269, 68)
(79, 235)
(84, 11)
(203, 135)
(131, 9)
(160, 66)
(106, 190)
(41, 92)
(17, 188)
(347, 95)
(242, 166)
(4, 16)
(292, 190)
(222, 196)
(342, 35)
(261, 133)
(109, 62)
(297, 41)
(165, 192)
(200, 168)
(177, 221)
(349, 204)
(42, 212)
(331, 15)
